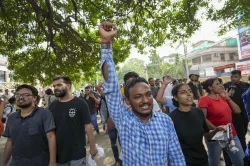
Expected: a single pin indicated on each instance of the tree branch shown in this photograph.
(75, 8)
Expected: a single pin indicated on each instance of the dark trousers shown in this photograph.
(113, 135)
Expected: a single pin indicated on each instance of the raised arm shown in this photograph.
(226, 95)
(160, 98)
(111, 87)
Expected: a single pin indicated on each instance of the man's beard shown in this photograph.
(60, 93)
(24, 105)
(140, 114)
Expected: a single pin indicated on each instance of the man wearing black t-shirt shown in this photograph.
(72, 118)
(195, 86)
(240, 121)
(92, 99)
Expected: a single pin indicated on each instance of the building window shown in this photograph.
(222, 57)
(231, 56)
(2, 76)
(207, 58)
(196, 60)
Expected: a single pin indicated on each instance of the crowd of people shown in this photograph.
(157, 122)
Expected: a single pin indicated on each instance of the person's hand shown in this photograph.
(225, 94)
(167, 80)
(93, 152)
(107, 31)
(230, 92)
(100, 84)
(219, 128)
(91, 94)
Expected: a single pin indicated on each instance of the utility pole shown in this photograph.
(186, 63)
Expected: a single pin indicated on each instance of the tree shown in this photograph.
(44, 38)
(135, 65)
(176, 70)
(153, 67)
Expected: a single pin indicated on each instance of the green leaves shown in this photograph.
(176, 70)
(133, 64)
(45, 38)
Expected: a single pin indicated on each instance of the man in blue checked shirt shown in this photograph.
(147, 137)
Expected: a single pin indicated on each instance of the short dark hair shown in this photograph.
(26, 86)
(209, 82)
(12, 100)
(132, 83)
(157, 79)
(236, 72)
(150, 79)
(129, 75)
(48, 91)
(175, 92)
(87, 87)
(65, 79)
(220, 80)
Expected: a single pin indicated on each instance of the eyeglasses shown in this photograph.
(24, 95)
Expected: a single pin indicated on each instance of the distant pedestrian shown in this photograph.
(9, 109)
(92, 100)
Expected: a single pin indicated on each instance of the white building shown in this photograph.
(171, 58)
(214, 59)
(168, 59)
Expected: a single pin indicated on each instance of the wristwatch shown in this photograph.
(105, 46)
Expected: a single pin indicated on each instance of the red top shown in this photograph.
(1, 127)
(218, 111)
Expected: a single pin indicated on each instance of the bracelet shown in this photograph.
(109, 42)
(229, 100)
(106, 46)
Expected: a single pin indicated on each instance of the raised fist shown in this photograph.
(107, 31)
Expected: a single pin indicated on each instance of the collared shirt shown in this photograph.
(28, 137)
(152, 144)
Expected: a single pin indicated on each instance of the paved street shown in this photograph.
(103, 140)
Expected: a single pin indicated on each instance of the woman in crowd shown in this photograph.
(190, 125)
(217, 107)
